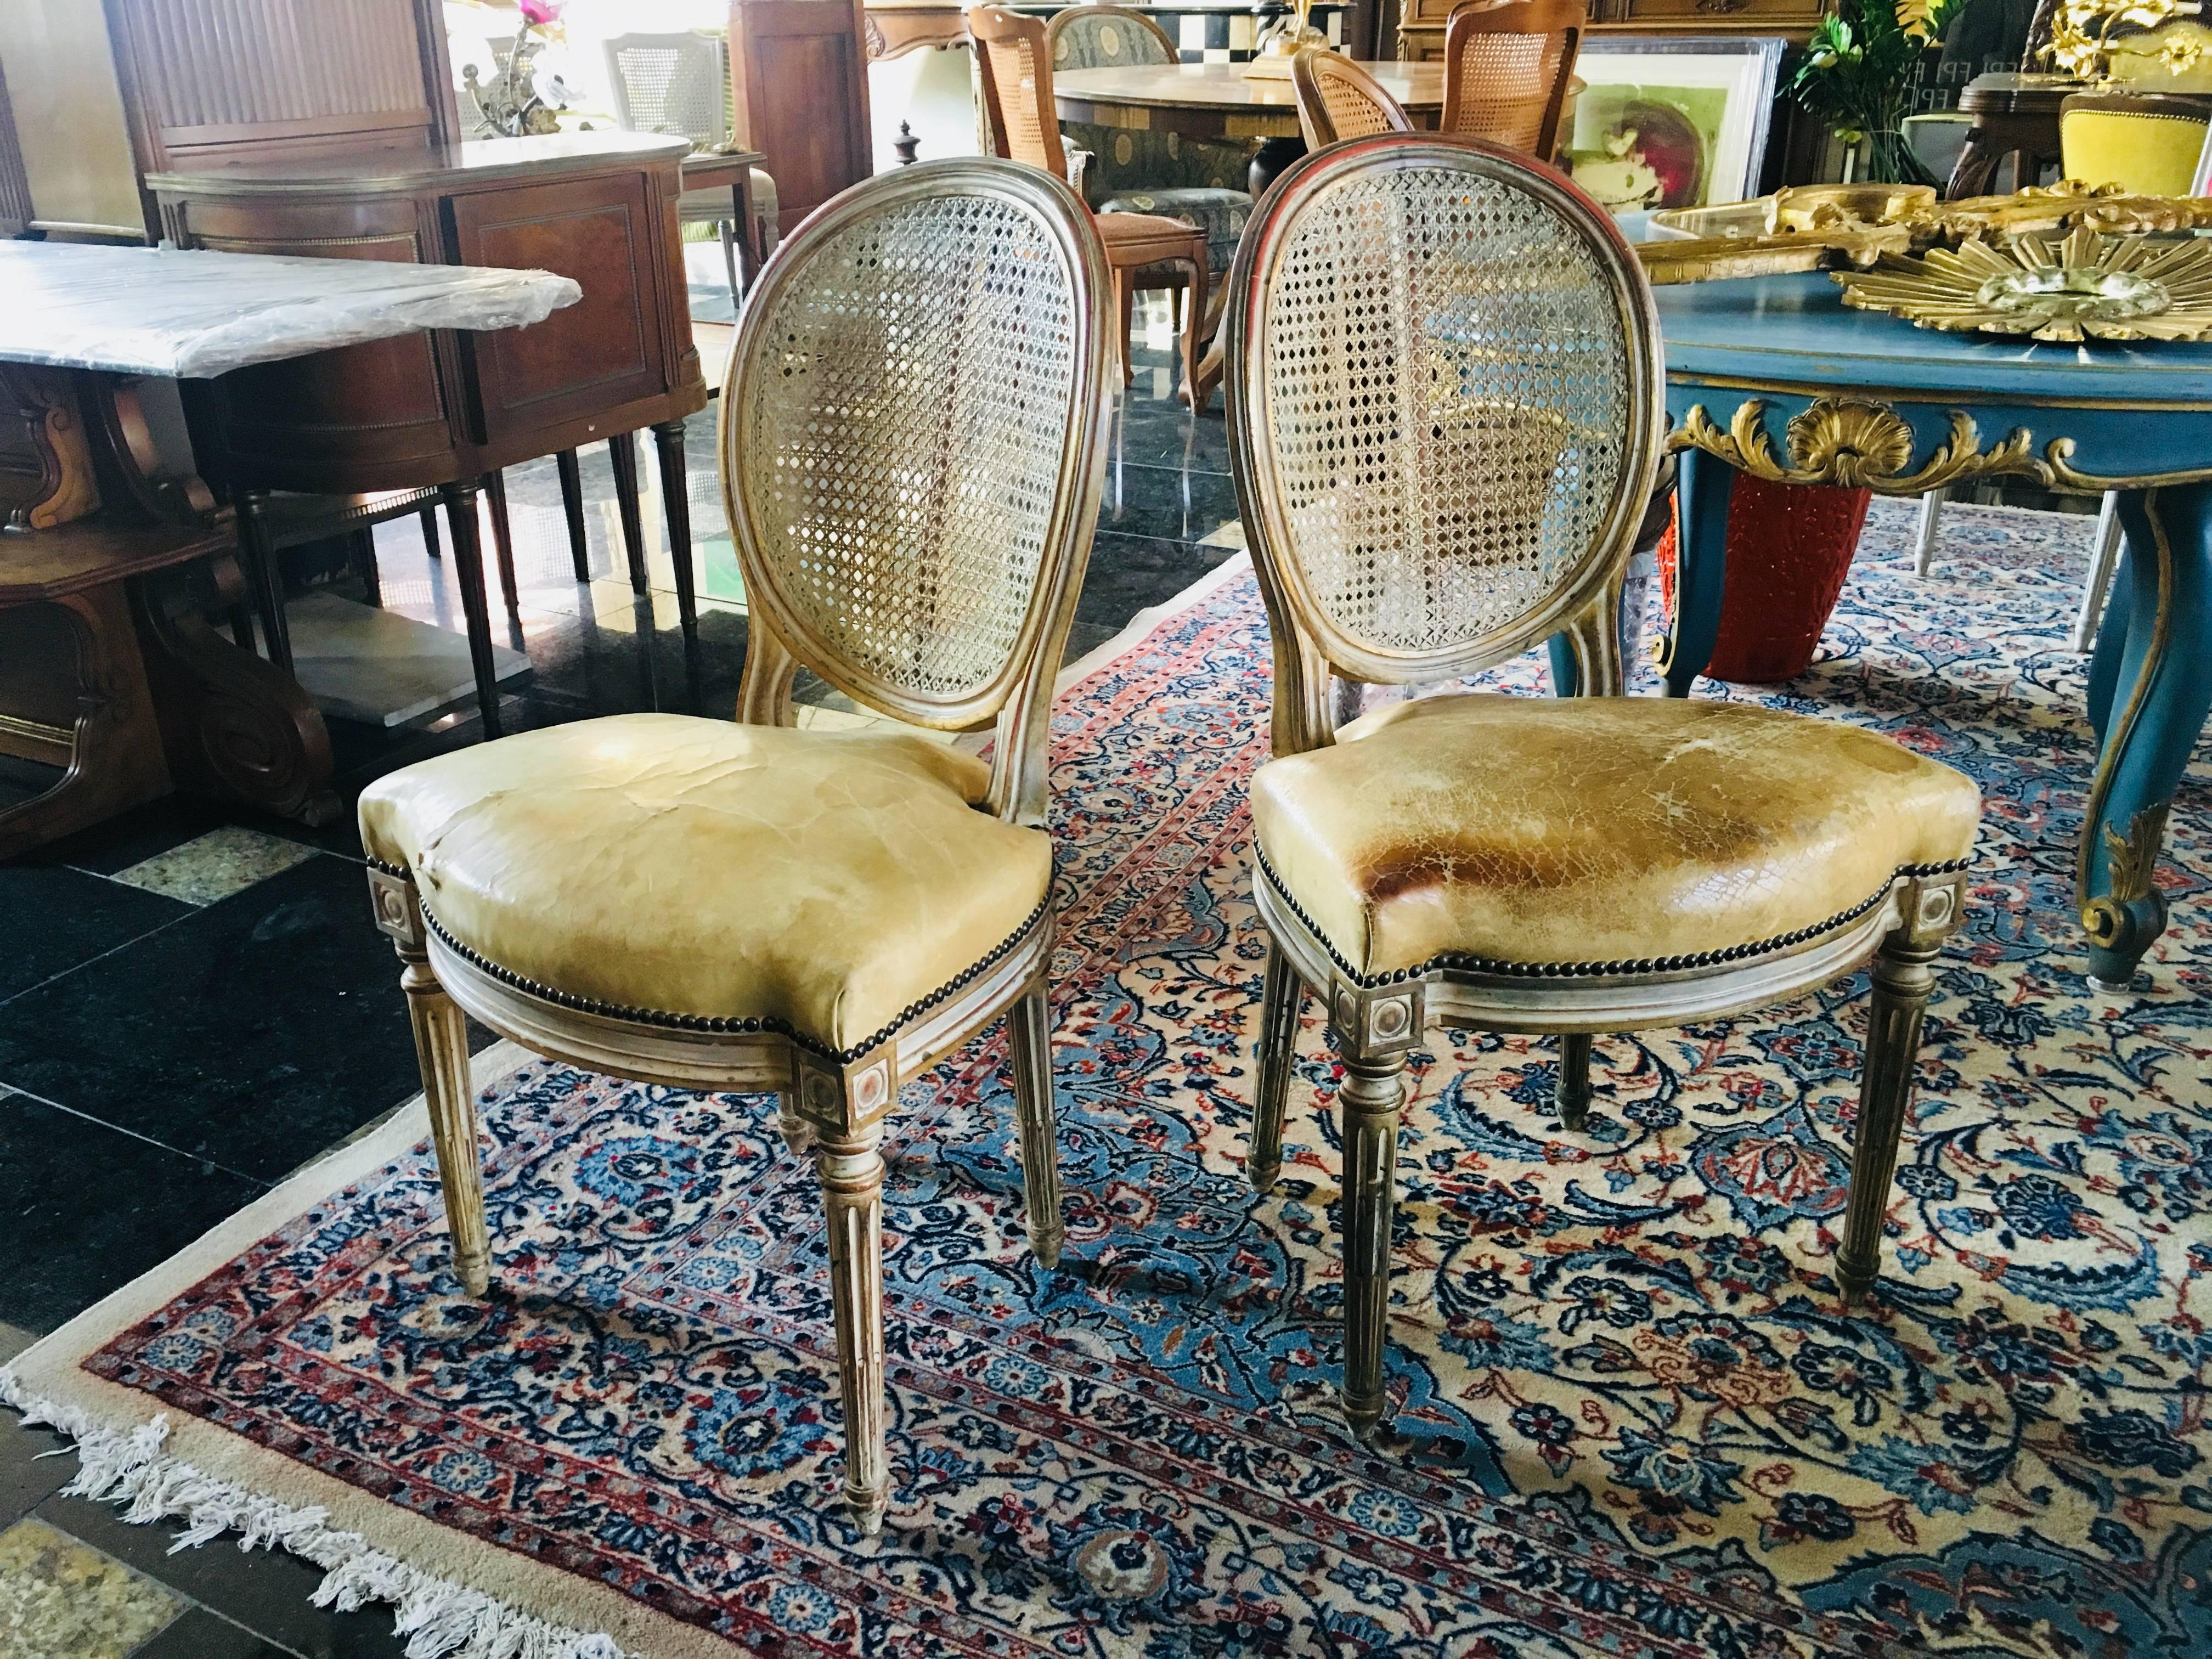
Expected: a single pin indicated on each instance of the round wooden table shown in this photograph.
(1218, 100)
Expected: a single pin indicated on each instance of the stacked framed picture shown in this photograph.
(1672, 121)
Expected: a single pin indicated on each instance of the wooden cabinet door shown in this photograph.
(799, 88)
(605, 350)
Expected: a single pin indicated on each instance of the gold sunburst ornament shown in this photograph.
(2088, 286)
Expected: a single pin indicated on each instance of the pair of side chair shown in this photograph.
(1445, 416)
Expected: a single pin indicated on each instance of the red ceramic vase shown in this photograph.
(1789, 547)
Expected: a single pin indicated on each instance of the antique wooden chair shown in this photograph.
(1338, 100)
(913, 446)
(1444, 391)
(1015, 68)
(1507, 63)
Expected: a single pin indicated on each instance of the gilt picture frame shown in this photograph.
(1669, 121)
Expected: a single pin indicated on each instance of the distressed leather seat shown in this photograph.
(1595, 829)
(1444, 416)
(913, 441)
(829, 883)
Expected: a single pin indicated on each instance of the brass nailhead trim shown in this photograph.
(1457, 961)
(748, 1025)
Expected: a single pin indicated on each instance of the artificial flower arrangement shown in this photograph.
(2087, 35)
(1857, 76)
(515, 102)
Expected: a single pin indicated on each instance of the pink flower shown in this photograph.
(537, 13)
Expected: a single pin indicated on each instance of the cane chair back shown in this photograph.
(672, 83)
(1445, 389)
(1015, 66)
(1105, 37)
(1338, 100)
(1507, 63)
(912, 450)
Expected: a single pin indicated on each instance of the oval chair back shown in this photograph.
(912, 445)
(1507, 63)
(1106, 36)
(1338, 100)
(2145, 143)
(1445, 388)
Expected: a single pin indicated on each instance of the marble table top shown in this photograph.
(188, 315)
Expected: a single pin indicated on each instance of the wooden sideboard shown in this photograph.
(429, 409)
(798, 93)
(1421, 22)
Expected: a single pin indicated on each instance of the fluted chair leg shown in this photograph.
(798, 1134)
(1369, 1099)
(852, 1171)
(1570, 1093)
(1904, 976)
(441, 1049)
(1029, 1025)
(1279, 994)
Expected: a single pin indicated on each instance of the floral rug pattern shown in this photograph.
(1633, 1418)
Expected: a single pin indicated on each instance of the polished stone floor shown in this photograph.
(193, 1002)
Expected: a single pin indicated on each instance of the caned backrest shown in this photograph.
(1106, 36)
(1507, 63)
(1445, 388)
(1339, 99)
(912, 449)
(672, 83)
(1014, 67)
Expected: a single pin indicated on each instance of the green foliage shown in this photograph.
(1858, 73)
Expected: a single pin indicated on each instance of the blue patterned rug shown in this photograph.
(1635, 1419)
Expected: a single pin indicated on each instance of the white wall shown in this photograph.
(929, 90)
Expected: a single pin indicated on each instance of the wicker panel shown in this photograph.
(904, 428)
(1505, 82)
(1013, 64)
(1352, 112)
(672, 83)
(1448, 404)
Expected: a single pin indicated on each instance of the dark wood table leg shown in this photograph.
(572, 509)
(430, 542)
(266, 579)
(621, 450)
(364, 558)
(502, 539)
(749, 251)
(676, 504)
(460, 499)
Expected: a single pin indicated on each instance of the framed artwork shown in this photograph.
(1672, 122)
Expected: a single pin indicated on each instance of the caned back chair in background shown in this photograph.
(1338, 100)
(1014, 65)
(912, 445)
(1445, 388)
(1507, 63)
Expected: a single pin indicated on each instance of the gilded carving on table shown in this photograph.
(2092, 286)
(1856, 444)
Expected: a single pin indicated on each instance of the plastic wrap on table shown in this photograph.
(190, 314)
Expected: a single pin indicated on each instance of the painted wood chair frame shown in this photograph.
(1377, 1022)
(836, 1103)
(1321, 81)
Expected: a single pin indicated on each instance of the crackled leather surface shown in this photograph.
(697, 867)
(1595, 829)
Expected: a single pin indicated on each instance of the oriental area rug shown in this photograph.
(1633, 1417)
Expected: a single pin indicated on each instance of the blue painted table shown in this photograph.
(1773, 376)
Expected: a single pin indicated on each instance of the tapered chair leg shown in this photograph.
(1925, 539)
(1571, 1092)
(2103, 559)
(1904, 976)
(441, 1049)
(730, 259)
(572, 509)
(852, 1173)
(1125, 302)
(468, 572)
(1280, 993)
(798, 1134)
(502, 539)
(1369, 1099)
(1191, 351)
(1029, 1025)
(430, 542)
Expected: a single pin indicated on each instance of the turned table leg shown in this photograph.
(1702, 489)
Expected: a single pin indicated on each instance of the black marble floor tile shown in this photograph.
(251, 1033)
(89, 1208)
(1152, 431)
(159, 826)
(199, 1634)
(55, 918)
(28, 1476)
(1169, 501)
(1129, 574)
(266, 1591)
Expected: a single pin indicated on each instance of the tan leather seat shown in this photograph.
(677, 866)
(1524, 829)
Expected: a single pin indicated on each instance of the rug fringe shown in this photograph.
(439, 1618)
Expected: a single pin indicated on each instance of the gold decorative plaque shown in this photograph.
(2088, 286)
